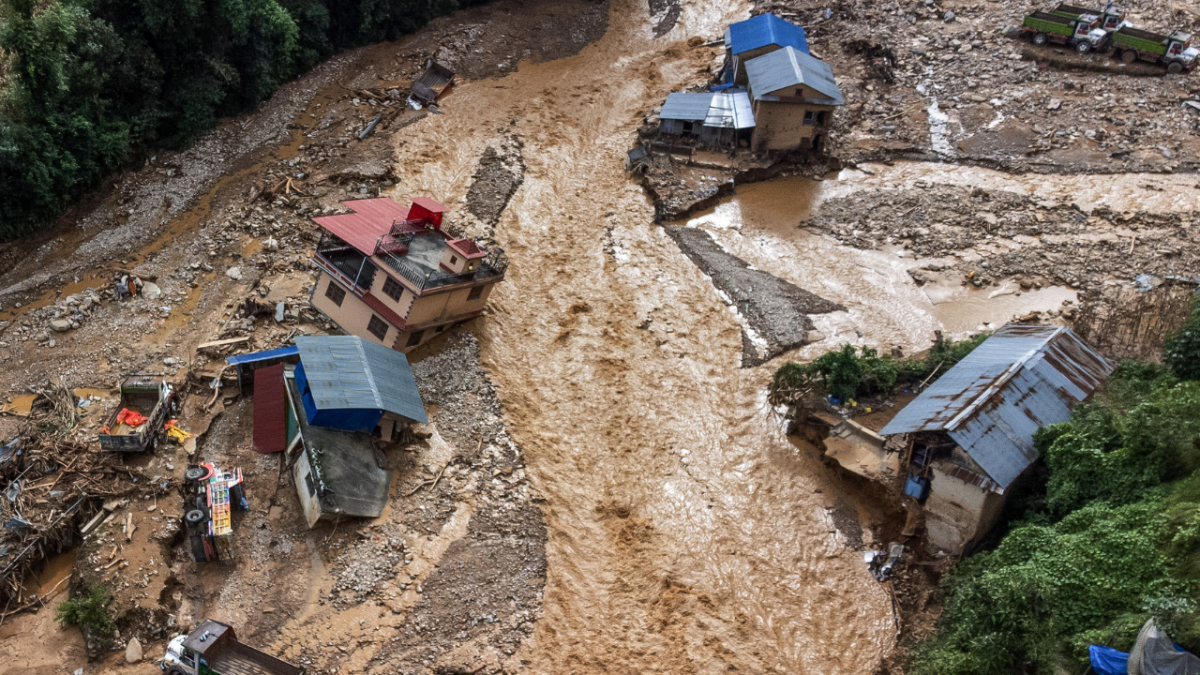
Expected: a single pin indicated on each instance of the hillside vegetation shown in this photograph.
(1104, 533)
(92, 82)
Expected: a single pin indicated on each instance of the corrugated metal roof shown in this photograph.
(763, 30)
(788, 67)
(1020, 379)
(372, 219)
(350, 373)
(730, 110)
(680, 106)
(270, 415)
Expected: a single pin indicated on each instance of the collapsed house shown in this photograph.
(960, 446)
(774, 95)
(327, 411)
(391, 275)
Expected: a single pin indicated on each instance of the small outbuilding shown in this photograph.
(969, 436)
(756, 36)
(352, 384)
(717, 119)
(794, 96)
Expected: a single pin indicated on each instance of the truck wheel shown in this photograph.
(175, 671)
(1174, 67)
(194, 517)
(237, 495)
(1040, 39)
(1129, 56)
(198, 553)
(194, 474)
(1083, 47)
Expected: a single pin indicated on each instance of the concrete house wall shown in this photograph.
(780, 125)
(353, 315)
(958, 513)
(302, 477)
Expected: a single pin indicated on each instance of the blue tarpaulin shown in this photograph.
(1108, 661)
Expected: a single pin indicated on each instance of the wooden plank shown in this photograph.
(222, 343)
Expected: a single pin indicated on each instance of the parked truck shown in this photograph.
(1111, 17)
(1175, 51)
(1081, 32)
(213, 649)
(135, 426)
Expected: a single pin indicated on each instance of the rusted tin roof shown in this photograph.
(991, 403)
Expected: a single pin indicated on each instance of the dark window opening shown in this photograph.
(821, 118)
(808, 118)
(475, 293)
(441, 328)
(377, 327)
(312, 486)
(392, 289)
(453, 260)
(335, 293)
(415, 339)
(688, 127)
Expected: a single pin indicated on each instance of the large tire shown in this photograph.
(195, 474)
(1174, 67)
(198, 553)
(194, 517)
(1040, 39)
(175, 671)
(1129, 56)
(1083, 47)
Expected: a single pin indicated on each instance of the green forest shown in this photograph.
(1103, 534)
(87, 85)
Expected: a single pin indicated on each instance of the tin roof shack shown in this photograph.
(389, 274)
(756, 36)
(794, 96)
(971, 432)
(719, 119)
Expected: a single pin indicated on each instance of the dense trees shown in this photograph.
(89, 83)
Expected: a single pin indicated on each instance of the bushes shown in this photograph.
(1116, 538)
(90, 610)
(847, 372)
(1181, 350)
(91, 83)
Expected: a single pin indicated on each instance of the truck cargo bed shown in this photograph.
(238, 659)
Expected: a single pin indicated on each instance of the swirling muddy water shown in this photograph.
(685, 533)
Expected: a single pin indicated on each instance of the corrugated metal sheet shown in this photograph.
(680, 106)
(763, 30)
(787, 67)
(350, 373)
(372, 219)
(991, 403)
(730, 110)
(270, 415)
(261, 356)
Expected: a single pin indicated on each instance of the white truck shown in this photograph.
(213, 649)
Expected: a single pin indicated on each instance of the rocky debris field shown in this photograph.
(776, 312)
(949, 79)
(500, 172)
(985, 236)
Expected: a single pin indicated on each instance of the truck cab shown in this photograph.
(1111, 17)
(213, 649)
(1088, 33)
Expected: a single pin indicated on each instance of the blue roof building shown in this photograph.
(348, 383)
(756, 36)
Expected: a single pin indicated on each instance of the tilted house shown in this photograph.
(793, 96)
(389, 273)
(970, 434)
(756, 36)
(343, 390)
(718, 119)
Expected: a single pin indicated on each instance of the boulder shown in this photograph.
(133, 651)
(60, 325)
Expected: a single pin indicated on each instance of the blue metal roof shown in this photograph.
(350, 373)
(787, 67)
(1020, 379)
(238, 359)
(763, 30)
(681, 106)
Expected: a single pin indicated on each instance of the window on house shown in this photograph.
(475, 293)
(453, 260)
(688, 127)
(809, 118)
(377, 327)
(312, 486)
(415, 339)
(821, 118)
(335, 293)
(392, 289)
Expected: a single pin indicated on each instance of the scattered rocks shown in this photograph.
(60, 325)
(234, 273)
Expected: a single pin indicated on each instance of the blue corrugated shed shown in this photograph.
(1020, 379)
(261, 356)
(348, 383)
(763, 30)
